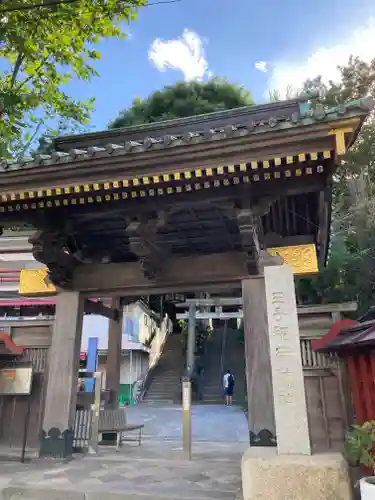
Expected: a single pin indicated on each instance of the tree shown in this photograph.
(350, 273)
(43, 49)
(182, 100)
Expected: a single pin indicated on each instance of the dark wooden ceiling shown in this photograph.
(203, 228)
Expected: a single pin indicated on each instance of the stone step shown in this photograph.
(161, 381)
(163, 388)
(160, 388)
(161, 391)
(33, 493)
(169, 380)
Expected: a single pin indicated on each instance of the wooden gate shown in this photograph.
(326, 404)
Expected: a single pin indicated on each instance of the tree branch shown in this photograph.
(30, 141)
(42, 63)
(17, 67)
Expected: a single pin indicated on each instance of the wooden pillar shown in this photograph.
(114, 355)
(258, 365)
(61, 392)
(113, 366)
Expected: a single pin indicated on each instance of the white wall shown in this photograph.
(133, 368)
(130, 372)
(143, 323)
(97, 326)
(134, 334)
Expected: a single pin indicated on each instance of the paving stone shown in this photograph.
(157, 470)
(18, 493)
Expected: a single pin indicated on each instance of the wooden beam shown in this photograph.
(100, 309)
(328, 308)
(325, 207)
(210, 315)
(239, 314)
(275, 240)
(194, 273)
(15, 244)
(218, 301)
(48, 248)
(142, 243)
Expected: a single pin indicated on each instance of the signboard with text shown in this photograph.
(16, 381)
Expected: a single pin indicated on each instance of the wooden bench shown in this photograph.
(115, 421)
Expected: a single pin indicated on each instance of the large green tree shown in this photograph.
(350, 273)
(42, 50)
(182, 100)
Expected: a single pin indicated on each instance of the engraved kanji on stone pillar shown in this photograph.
(292, 430)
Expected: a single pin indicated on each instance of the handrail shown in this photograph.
(168, 328)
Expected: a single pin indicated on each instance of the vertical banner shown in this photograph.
(92, 361)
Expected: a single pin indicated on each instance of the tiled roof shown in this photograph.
(305, 117)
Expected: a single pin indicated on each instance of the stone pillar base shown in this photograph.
(56, 444)
(266, 475)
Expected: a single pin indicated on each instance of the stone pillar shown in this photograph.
(258, 365)
(190, 355)
(292, 428)
(114, 355)
(61, 393)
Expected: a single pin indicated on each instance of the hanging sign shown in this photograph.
(16, 381)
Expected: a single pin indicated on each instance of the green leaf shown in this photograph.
(45, 49)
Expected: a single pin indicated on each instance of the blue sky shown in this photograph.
(287, 40)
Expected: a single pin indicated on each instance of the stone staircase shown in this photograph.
(165, 386)
(223, 352)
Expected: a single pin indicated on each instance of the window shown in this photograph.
(146, 319)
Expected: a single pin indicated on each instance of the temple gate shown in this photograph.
(214, 202)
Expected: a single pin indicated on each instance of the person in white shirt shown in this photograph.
(228, 383)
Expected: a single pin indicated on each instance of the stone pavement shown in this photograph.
(157, 470)
(212, 423)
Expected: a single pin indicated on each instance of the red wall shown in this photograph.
(362, 379)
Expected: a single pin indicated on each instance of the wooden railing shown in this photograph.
(38, 356)
(81, 430)
(315, 360)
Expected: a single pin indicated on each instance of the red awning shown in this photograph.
(27, 302)
(9, 345)
(336, 328)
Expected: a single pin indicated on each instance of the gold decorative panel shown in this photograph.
(35, 282)
(302, 258)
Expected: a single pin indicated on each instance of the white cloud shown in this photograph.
(261, 66)
(324, 61)
(185, 54)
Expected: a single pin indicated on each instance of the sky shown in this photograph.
(262, 45)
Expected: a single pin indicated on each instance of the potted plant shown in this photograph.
(359, 449)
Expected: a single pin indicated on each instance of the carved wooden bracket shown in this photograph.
(48, 248)
(250, 227)
(142, 242)
(266, 259)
